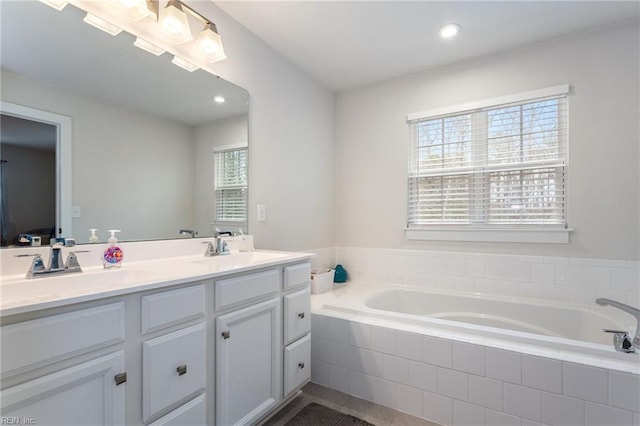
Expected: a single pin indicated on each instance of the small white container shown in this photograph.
(321, 280)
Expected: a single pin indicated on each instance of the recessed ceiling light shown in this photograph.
(219, 99)
(449, 30)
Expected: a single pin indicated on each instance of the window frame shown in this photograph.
(485, 232)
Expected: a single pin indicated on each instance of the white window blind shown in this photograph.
(501, 165)
(230, 186)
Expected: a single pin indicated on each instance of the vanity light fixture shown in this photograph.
(219, 99)
(449, 30)
(174, 23)
(56, 4)
(209, 44)
(134, 9)
(184, 64)
(103, 25)
(149, 47)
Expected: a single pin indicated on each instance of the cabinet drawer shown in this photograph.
(246, 288)
(42, 341)
(297, 319)
(193, 413)
(173, 367)
(297, 276)
(297, 364)
(172, 307)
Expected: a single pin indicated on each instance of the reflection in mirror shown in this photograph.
(151, 152)
(28, 176)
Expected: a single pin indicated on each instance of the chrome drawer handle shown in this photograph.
(301, 365)
(301, 315)
(182, 369)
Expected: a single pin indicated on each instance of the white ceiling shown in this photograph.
(345, 44)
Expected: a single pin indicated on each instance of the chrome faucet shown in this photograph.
(56, 265)
(218, 247)
(621, 335)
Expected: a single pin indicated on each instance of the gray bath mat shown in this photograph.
(319, 415)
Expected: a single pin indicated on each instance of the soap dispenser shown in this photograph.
(113, 255)
(93, 238)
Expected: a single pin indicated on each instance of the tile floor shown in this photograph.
(365, 410)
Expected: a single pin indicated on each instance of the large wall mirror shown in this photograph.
(98, 134)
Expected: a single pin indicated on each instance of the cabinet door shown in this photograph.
(85, 394)
(248, 359)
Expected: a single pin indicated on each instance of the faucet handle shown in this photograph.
(37, 264)
(72, 261)
(621, 340)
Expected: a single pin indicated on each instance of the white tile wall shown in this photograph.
(574, 280)
(542, 373)
(562, 410)
(585, 382)
(456, 383)
(597, 415)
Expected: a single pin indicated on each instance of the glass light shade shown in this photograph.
(149, 47)
(173, 23)
(103, 25)
(209, 45)
(134, 9)
(184, 64)
(56, 4)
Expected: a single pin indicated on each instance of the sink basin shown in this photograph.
(236, 260)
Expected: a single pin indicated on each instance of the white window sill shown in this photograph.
(548, 236)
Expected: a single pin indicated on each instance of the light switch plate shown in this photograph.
(262, 213)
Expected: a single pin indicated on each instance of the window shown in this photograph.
(230, 186)
(493, 166)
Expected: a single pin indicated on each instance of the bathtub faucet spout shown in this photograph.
(630, 310)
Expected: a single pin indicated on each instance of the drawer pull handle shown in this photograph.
(182, 369)
(226, 335)
(120, 378)
(301, 365)
(301, 315)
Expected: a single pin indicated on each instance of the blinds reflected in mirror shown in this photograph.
(231, 187)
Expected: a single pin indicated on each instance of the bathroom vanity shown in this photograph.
(180, 341)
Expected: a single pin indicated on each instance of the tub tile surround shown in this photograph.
(469, 380)
(460, 383)
(559, 279)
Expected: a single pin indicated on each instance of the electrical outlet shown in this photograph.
(76, 212)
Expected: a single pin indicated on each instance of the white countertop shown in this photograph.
(20, 295)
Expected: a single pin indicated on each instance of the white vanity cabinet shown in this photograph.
(220, 351)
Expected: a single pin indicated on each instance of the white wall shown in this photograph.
(291, 132)
(604, 193)
(128, 171)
